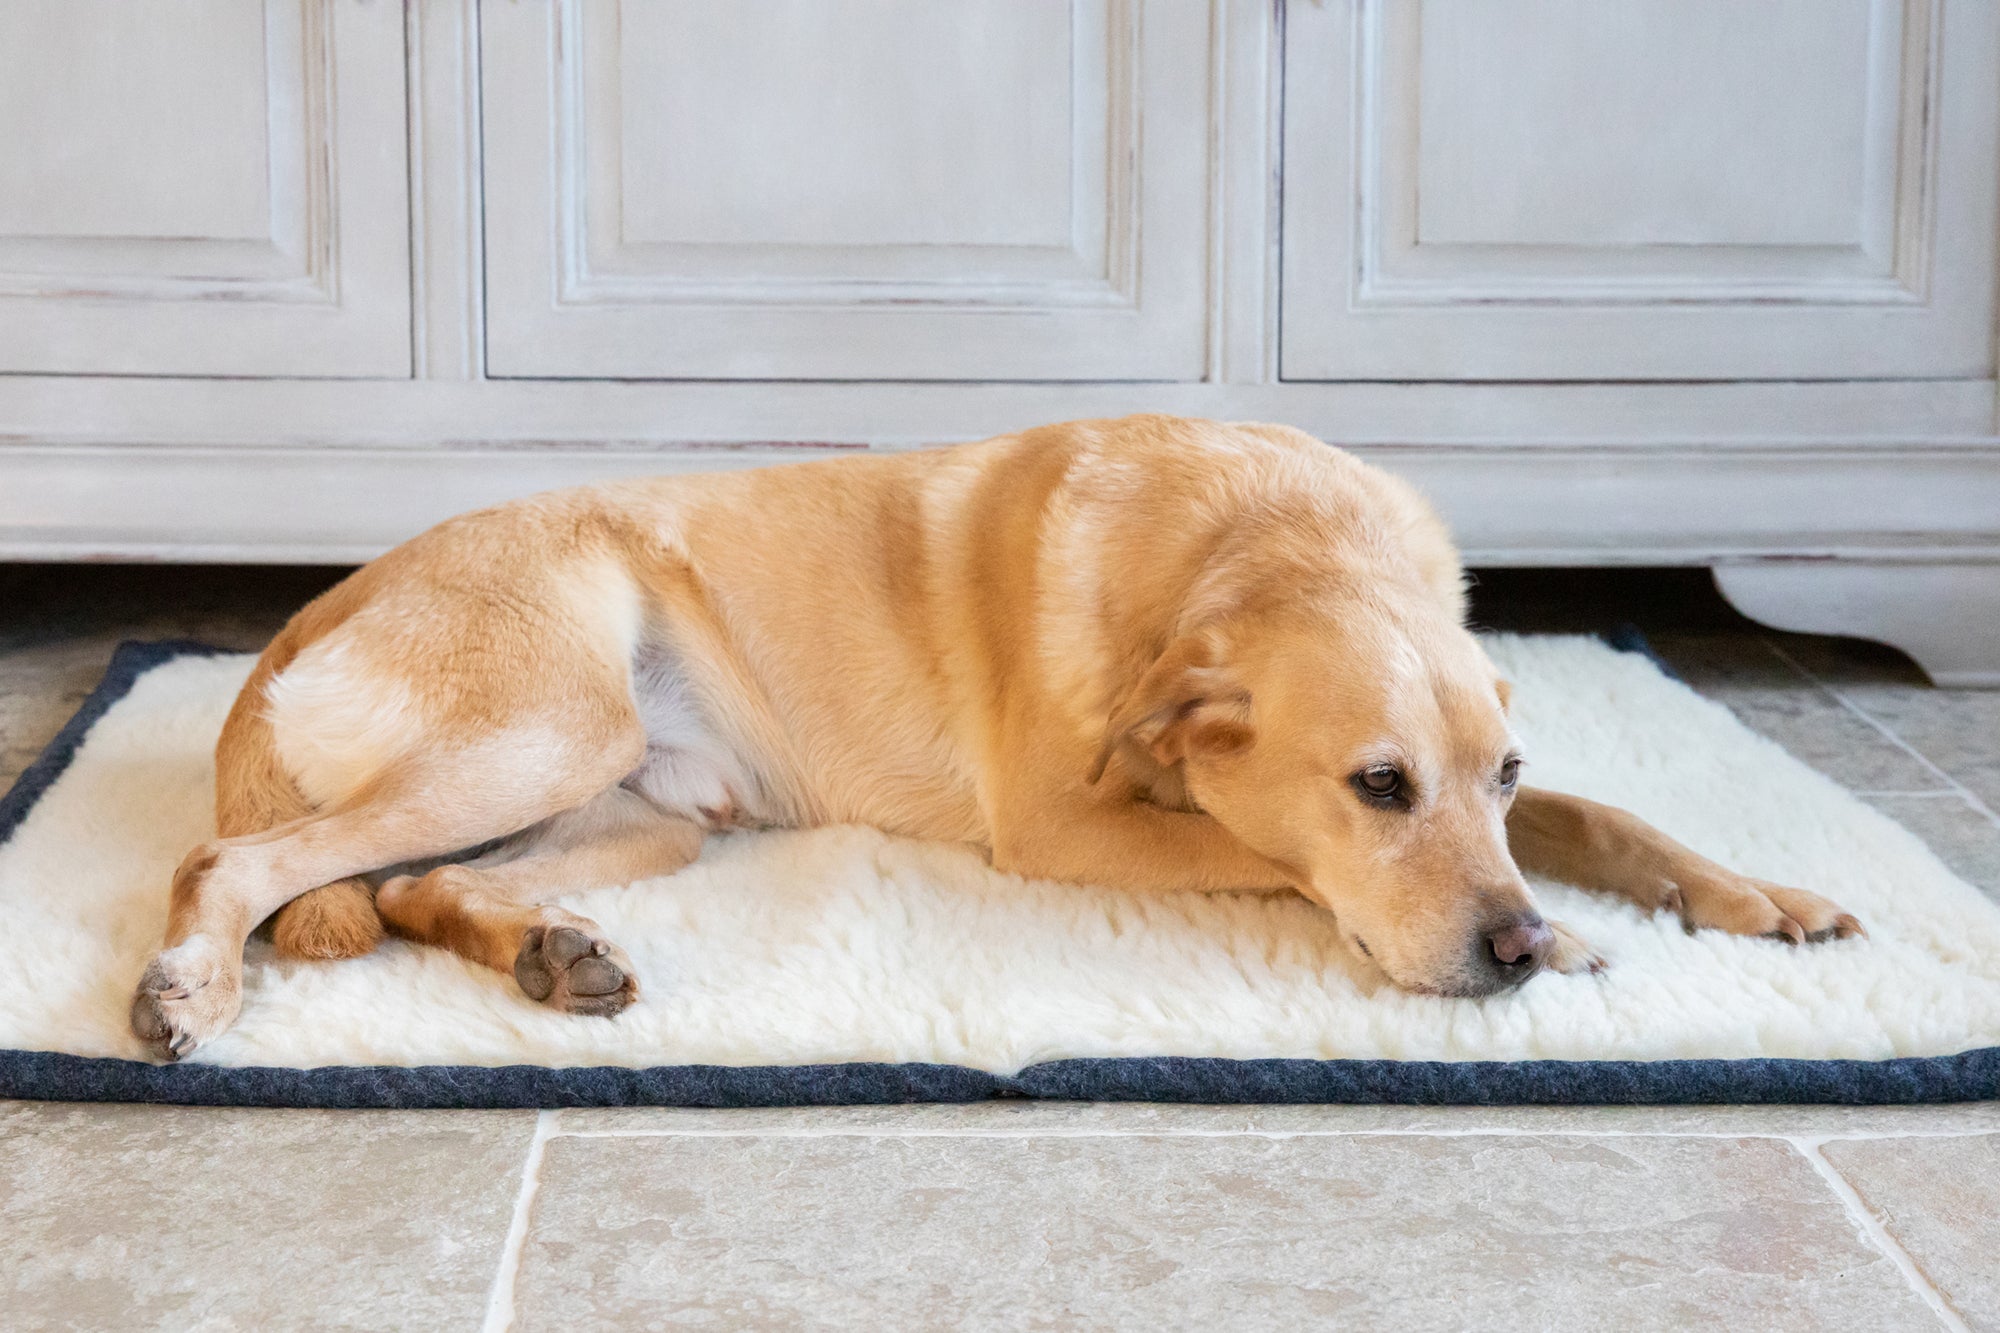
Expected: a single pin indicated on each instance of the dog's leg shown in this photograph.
(254, 793)
(1083, 839)
(192, 989)
(501, 914)
(1595, 846)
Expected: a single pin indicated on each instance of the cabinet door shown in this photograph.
(1645, 189)
(847, 189)
(203, 187)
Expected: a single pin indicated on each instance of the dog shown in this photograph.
(1158, 654)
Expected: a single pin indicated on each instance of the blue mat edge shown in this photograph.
(54, 1076)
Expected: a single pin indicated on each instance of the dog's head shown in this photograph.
(1362, 745)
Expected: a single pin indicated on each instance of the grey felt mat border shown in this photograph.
(54, 1076)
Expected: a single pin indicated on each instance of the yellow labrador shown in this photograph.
(1158, 654)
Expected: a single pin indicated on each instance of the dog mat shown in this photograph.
(840, 965)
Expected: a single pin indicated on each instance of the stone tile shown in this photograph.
(1815, 727)
(1963, 838)
(48, 652)
(29, 716)
(37, 696)
(1958, 730)
(1011, 1116)
(1774, 700)
(1147, 1232)
(170, 1217)
(1844, 662)
(43, 685)
(1738, 661)
(1941, 1201)
(60, 625)
(12, 763)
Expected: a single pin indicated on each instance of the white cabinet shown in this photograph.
(1645, 189)
(847, 189)
(1703, 282)
(203, 187)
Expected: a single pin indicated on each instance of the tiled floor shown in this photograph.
(1034, 1215)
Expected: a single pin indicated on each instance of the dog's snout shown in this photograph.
(1520, 947)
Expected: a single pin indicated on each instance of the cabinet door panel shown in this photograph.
(203, 187)
(1652, 189)
(847, 189)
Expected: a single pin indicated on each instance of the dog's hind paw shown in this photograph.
(569, 966)
(1571, 954)
(189, 993)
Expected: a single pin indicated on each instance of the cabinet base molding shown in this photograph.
(1765, 510)
(1945, 614)
(1854, 508)
(504, 413)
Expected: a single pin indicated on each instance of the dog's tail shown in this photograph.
(253, 792)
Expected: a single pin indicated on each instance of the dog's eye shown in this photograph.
(1381, 785)
(1510, 772)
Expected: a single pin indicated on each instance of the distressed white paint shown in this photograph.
(1945, 615)
(894, 125)
(109, 137)
(448, 332)
(203, 188)
(583, 416)
(689, 195)
(851, 189)
(1654, 189)
(1680, 148)
(1573, 503)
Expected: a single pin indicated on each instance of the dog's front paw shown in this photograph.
(567, 965)
(1571, 953)
(189, 993)
(1745, 906)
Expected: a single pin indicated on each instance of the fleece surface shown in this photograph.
(842, 945)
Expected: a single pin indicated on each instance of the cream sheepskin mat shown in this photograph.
(844, 945)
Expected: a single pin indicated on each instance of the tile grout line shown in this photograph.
(1964, 793)
(1056, 1132)
(500, 1298)
(1869, 1223)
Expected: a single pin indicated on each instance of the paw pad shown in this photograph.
(569, 969)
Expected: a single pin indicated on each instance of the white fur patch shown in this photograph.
(336, 723)
(688, 769)
(843, 944)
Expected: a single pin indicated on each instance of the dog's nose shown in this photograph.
(1520, 947)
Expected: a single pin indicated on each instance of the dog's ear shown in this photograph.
(1187, 703)
(1505, 689)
